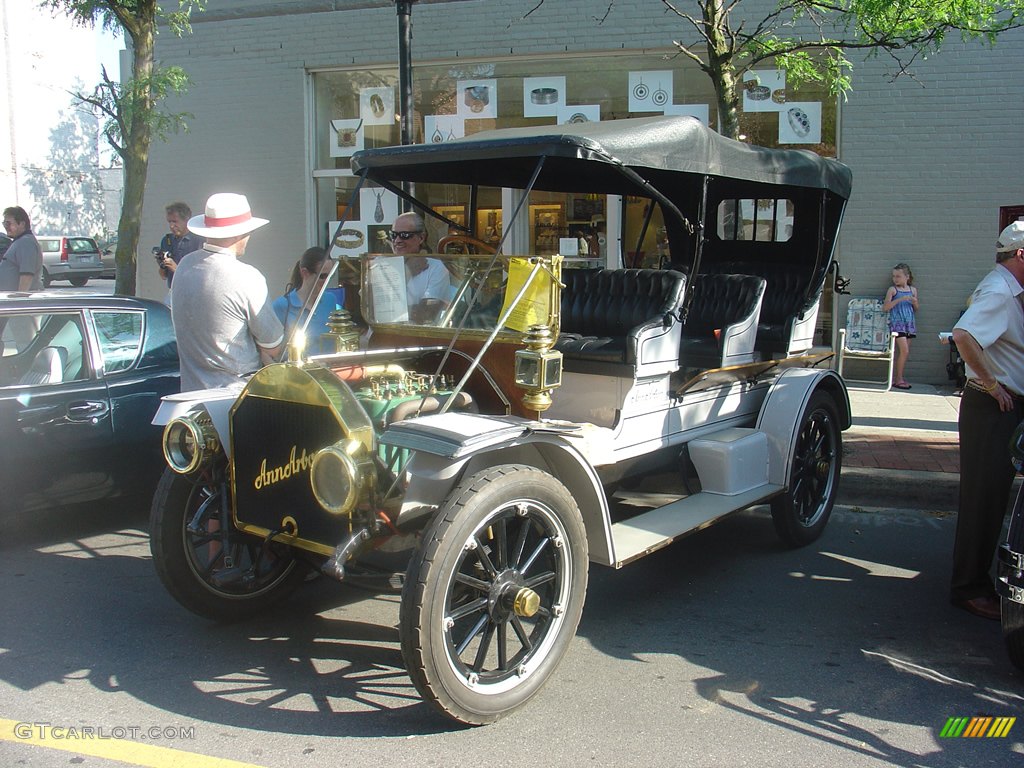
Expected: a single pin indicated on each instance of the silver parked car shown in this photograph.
(76, 259)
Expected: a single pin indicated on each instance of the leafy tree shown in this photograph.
(129, 111)
(810, 38)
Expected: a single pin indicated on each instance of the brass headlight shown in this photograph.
(190, 442)
(336, 476)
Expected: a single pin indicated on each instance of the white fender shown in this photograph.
(216, 402)
(436, 466)
(780, 414)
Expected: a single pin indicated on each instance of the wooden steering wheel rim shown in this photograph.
(464, 240)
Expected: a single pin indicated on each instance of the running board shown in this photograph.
(650, 531)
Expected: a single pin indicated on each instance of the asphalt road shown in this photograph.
(724, 649)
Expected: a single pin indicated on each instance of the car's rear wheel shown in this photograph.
(78, 282)
(46, 279)
(206, 564)
(801, 513)
(493, 595)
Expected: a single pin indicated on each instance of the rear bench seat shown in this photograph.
(785, 314)
(620, 321)
(721, 325)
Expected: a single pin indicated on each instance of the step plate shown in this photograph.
(650, 531)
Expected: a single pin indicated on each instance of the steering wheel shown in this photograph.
(465, 244)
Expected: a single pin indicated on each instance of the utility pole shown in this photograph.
(405, 95)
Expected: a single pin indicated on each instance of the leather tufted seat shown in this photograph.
(784, 300)
(721, 325)
(621, 315)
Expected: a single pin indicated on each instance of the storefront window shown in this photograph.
(358, 108)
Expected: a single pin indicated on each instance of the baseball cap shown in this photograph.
(1011, 238)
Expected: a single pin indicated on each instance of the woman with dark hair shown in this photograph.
(292, 309)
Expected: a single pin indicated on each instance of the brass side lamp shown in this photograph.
(538, 368)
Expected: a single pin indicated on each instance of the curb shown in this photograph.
(904, 488)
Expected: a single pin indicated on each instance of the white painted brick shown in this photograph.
(933, 157)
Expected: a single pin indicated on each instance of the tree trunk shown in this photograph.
(135, 154)
(721, 68)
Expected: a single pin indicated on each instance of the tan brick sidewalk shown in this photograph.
(922, 451)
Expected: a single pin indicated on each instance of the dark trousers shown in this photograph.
(986, 476)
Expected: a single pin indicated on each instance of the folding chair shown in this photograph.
(866, 337)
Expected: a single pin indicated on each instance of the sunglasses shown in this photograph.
(403, 235)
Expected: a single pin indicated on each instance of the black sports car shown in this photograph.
(80, 380)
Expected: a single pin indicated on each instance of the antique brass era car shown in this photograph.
(498, 436)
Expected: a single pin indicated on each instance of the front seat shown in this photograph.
(47, 367)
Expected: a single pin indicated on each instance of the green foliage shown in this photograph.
(129, 111)
(116, 105)
(115, 14)
(813, 39)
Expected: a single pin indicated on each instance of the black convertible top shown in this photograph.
(595, 157)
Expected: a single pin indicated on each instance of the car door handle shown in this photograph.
(87, 410)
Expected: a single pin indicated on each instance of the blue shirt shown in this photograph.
(179, 248)
(288, 309)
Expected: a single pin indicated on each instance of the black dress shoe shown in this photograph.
(985, 607)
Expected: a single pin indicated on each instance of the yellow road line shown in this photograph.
(121, 750)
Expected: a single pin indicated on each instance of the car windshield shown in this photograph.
(451, 291)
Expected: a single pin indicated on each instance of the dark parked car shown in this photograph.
(80, 380)
(75, 259)
(5, 243)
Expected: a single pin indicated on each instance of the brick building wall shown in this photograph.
(931, 156)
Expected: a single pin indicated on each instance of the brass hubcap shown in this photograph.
(526, 603)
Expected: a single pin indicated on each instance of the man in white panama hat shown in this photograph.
(225, 325)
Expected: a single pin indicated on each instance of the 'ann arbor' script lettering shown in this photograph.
(293, 466)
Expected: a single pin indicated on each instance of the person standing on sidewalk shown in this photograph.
(178, 242)
(901, 304)
(21, 268)
(223, 318)
(990, 337)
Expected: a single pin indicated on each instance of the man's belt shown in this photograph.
(975, 384)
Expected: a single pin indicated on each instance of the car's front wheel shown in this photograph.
(204, 562)
(494, 593)
(78, 282)
(46, 279)
(802, 512)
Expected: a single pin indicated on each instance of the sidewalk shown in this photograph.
(902, 429)
(902, 449)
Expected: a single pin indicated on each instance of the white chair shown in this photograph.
(867, 337)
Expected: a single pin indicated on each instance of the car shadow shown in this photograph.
(833, 641)
(830, 642)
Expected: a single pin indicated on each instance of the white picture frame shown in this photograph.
(650, 90)
(543, 96)
(579, 113)
(350, 243)
(764, 90)
(377, 206)
(701, 111)
(800, 123)
(438, 129)
(345, 137)
(477, 99)
(377, 105)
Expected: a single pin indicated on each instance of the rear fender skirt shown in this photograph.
(781, 411)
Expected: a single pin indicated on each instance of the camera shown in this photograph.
(160, 255)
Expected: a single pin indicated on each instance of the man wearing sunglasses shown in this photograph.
(427, 282)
